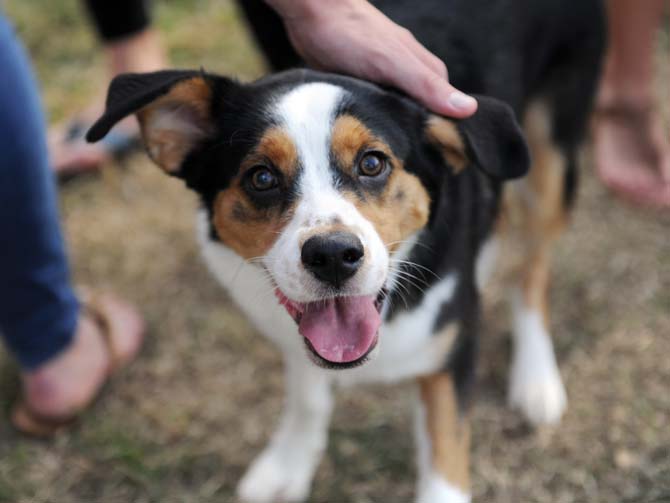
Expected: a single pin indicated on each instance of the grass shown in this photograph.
(183, 423)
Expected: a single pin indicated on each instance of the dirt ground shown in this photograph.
(184, 421)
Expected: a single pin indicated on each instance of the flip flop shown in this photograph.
(32, 423)
(118, 144)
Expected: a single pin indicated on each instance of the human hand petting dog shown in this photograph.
(353, 37)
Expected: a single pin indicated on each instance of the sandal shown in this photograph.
(95, 307)
(117, 145)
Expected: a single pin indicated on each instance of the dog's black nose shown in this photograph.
(333, 258)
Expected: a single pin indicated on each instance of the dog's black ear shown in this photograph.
(491, 139)
(174, 109)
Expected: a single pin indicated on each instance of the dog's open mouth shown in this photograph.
(340, 331)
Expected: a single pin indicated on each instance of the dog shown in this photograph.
(377, 223)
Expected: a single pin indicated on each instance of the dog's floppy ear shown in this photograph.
(174, 109)
(491, 139)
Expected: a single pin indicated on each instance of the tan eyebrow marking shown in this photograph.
(348, 136)
(444, 133)
(276, 146)
(247, 229)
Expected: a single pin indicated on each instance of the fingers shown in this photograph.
(445, 99)
(341, 41)
(432, 89)
(422, 75)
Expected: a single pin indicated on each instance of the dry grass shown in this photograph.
(186, 419)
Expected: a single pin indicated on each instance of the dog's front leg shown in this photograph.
(284, 470)
(442, 442)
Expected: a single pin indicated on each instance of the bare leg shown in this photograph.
(631, 148)
(141, 52)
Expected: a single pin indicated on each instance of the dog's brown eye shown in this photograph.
(371, 164)
(263, 179)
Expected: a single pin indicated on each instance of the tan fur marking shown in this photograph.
(535, 283)
(167, 148)
(251, 232)
(348, 137)
(276, 146)
(446, 337)
(168, 144)
(448, 430)
(396, 218)
(444, 133)
(195, 92)
(242, 227)
(547, 217)
(403, 207)
(534, 212)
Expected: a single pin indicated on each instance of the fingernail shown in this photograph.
(459, 101)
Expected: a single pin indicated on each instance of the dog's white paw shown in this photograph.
(276, 477)
(536, 387)
(434, 489)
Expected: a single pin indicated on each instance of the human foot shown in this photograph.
(108, 336)
(71, 155)
(632, 153)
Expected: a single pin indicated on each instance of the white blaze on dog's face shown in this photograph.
(321, 209)
(331, 262)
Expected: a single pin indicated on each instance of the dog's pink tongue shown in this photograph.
(342, 329)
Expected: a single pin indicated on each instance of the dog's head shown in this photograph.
(320, 178)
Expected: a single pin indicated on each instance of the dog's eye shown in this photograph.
(371, 164)
(263, 178)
